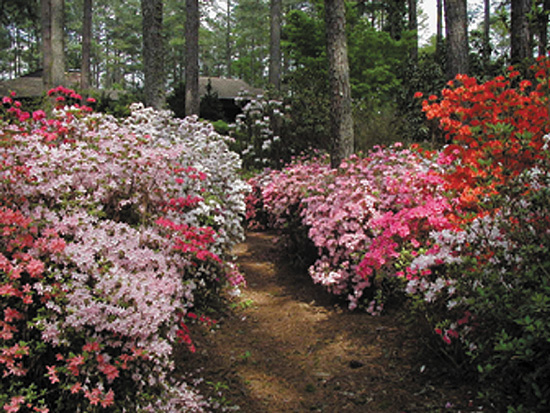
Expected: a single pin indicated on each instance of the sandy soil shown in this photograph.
(285, 345)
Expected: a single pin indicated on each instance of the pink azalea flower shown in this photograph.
(38, 115)
(52, 374)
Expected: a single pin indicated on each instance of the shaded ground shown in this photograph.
(286, 346)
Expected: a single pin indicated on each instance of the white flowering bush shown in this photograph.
(207, 157)
(257, 132)
(114, 233)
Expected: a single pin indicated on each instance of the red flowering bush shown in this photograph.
(495, 132)
(23, 263)
(488, 293)
(111, 233)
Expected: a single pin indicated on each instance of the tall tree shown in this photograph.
(153, 53)
(520, 48)
(53, 42)
(57, 10)
(275, 45)
(192, 98)
(340, 96)
(46, 21)
(86, 45)
(456, 25)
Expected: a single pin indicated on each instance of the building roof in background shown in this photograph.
(31, 86)
(26, 86)
(227, 88)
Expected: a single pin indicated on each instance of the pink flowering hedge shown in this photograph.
(113, 234)
(367, 219)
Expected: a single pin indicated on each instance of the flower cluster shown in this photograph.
(211, 169)
(495, 132)
(111, 232)
(497, 159)
(366, 218)
(257, 131)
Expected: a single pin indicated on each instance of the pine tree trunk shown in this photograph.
(275, 45)
(153, 53)
(58, 42)
(86, 45)
(192, 98)
(340, 96)
(456, 25)
(520, 36)
(46, 21)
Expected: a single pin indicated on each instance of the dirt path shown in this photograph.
(287, 346)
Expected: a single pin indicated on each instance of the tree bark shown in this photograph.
(340, 97)
(456, 25)
(58, 42)
(86, 45)
(46, 21)
(275, 45)
(520, 36)
(53, 46)
(192, 98)
(153, 53)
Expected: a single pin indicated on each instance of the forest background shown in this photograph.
(278, 46)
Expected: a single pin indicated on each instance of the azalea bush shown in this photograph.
(257, 132)
(269, 133)
(115, 234)
(366, 219)
(488, 290)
